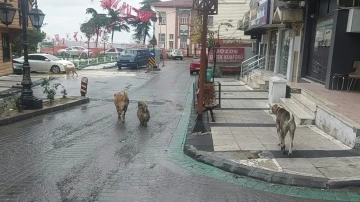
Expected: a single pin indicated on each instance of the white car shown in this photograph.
(176, 53)
(44, 63)
(75, 51)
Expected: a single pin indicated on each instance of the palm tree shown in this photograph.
(114, 18)
(98, 21)
(142, 28)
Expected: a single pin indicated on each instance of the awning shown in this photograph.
(282, 15)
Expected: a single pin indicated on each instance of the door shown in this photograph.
(319, 52)
(42, 65)
(284, 52)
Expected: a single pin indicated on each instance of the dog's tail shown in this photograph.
(125, 92)
(291, 118)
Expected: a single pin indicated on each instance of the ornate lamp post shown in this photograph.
(7, 13)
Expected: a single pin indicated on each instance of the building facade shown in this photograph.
(305, 40)
(229, 11)
(172, 30)
(8, 34)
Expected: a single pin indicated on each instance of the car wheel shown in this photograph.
(181, 58)
(119, 67)
(136, 65)
(191, 72)
(55, 69)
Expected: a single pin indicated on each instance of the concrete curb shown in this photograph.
(41, 112)
(267, 175)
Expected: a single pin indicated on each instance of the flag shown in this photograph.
(57, 37)
(75, 36)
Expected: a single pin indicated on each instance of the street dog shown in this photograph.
(121, 101)
(284, 123)
(70, 69)
(143, 113)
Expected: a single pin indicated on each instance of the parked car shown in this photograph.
(195, 66)
(168, 53)
(176, 53)
(75, 51)
(133, 58)
(42, 63)
(112, 52)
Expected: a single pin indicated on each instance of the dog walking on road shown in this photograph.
(143, 113)
(121, 101)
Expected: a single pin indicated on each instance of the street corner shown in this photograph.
(11, 112)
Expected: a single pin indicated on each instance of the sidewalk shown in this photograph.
(243, 140)
(12, 83)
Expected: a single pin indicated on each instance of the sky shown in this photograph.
(65, 16)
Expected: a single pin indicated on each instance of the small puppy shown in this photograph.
(121, 101)
(284, 122)
(143, 113)
(70, 69)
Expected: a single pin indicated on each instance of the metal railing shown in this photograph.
(261, 62)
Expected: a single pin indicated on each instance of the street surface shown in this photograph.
(87, 154)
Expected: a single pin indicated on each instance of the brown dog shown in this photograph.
(70, 69)
(284, 122)
(121, 101)
(143, 113)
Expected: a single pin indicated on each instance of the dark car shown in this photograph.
(133, 58)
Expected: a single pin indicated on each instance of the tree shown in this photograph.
(98, 21)
(34, 37)
(142, 28)
(105, 39)
(114, 20)
(88, 30)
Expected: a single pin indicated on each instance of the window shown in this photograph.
(161, 37)
(184, 20)
(171, 36)
(6, 47)
(41, 58)
(171, 45)
(183, 41)
(162, 18)
(31, 57)
(111, 50)
(211, 21)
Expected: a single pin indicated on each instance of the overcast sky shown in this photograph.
(65, 16)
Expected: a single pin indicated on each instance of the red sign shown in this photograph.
(227, 55)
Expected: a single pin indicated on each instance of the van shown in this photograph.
(133, 58)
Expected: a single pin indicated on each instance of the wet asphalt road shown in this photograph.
(87, 154)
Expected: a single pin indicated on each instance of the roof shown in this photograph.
(175, 3)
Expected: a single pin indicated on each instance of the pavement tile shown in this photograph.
(338, 171)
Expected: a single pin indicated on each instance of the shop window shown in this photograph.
(6, 47)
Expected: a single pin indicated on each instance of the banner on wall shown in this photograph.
(223, 55)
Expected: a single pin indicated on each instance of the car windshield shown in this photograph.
(129, 52)
(177, 51)
(53, 58)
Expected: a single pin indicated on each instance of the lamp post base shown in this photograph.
(32, 104)
(199, 125)
(29, 101)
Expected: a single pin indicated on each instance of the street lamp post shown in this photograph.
(153, 41)
(7, 13)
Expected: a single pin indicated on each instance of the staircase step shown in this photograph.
(315, 98)
(305, 103)
(300, 115)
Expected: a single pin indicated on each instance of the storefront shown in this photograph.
(328, 48)
(284, 51)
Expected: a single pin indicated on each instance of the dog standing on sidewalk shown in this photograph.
(285, 123)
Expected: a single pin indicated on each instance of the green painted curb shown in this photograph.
(175, 151)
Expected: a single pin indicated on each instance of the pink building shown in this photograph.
(172, 30)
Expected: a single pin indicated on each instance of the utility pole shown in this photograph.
(204, 8)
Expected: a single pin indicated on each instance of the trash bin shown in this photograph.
(208, 75)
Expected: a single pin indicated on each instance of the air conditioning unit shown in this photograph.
(353, 24)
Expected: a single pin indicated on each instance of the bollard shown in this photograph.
(84, 83)
(152, 62)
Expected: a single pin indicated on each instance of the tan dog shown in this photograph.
(284, 122)
(121, 101)
(70, 69)
(143, 113)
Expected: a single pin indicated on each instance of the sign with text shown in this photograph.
(232, 54)
(259, 13)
